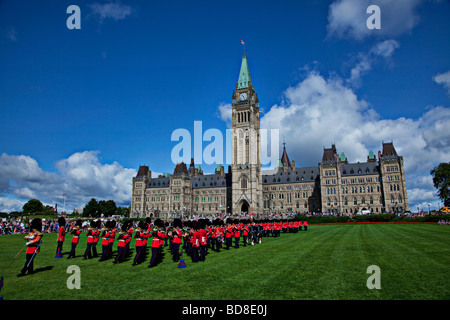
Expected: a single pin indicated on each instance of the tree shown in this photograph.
(33, 206)
(91, 209)
(123, 211)
(109, 208)
(441, 181)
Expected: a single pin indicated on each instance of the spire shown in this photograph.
(285, 158)
(244, 74)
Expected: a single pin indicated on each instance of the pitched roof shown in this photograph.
(388, 150)
(285, 159)
(306, 174)
(143, 171)
(329, 154)
(244, 74)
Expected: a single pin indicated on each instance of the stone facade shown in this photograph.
(335, 185)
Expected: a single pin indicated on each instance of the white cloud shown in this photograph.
(347, 18)
(384, 49)
(9, 205)
(444, 79)
(82, 176)
(225, 113)
(319, 111)
(115, 11)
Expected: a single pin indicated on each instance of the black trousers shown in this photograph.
(120, 254)
(29, 260)
(195, 254)
(94, 250)
(59, 247)
(236, 242)
(105, 249)
(139, 255)
(154, 257)
(72, 252)
(228, 242)
(202, 253)
(176, 251)
(88, 253)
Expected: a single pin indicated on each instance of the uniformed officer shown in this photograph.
(33, 245)
(61, 236)
(76, 231)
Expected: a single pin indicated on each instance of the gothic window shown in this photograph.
(244, 183)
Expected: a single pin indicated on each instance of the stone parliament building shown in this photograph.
(334, 186)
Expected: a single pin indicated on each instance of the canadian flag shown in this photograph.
(242, 41)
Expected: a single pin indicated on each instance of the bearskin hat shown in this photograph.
(195, 225)
(177, 223)
(36, 224)
(78, 223)
(110, 224)
(159, 223)
(126, 225)
(61, 221)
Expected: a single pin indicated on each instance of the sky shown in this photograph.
(82, 109)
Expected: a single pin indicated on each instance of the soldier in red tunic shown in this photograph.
(75, 238)
(33, 244)
(176, 239)
(203, 239)
(228, 233)
(139, 243)
(90, 241)
(61, 236)
(106, 233)
(122, 243)
(155, 249)
(237, 235)
(195, 242)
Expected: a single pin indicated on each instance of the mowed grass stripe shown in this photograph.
(325, 262)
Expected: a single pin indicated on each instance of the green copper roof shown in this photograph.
(371, 155)
(343, 158)
(279, 163)
(199, 168)
(244, 75)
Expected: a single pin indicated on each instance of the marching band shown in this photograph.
(192, 237)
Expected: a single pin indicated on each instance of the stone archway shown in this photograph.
(245, 207)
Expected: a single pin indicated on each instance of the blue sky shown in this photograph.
(80, 110)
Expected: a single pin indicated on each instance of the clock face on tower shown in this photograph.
(243, 96)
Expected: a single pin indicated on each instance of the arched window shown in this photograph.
(244, 183)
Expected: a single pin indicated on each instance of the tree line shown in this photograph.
(93, 208)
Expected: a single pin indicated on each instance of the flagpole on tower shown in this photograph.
(243, 44)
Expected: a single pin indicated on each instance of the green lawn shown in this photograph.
(328, 262)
